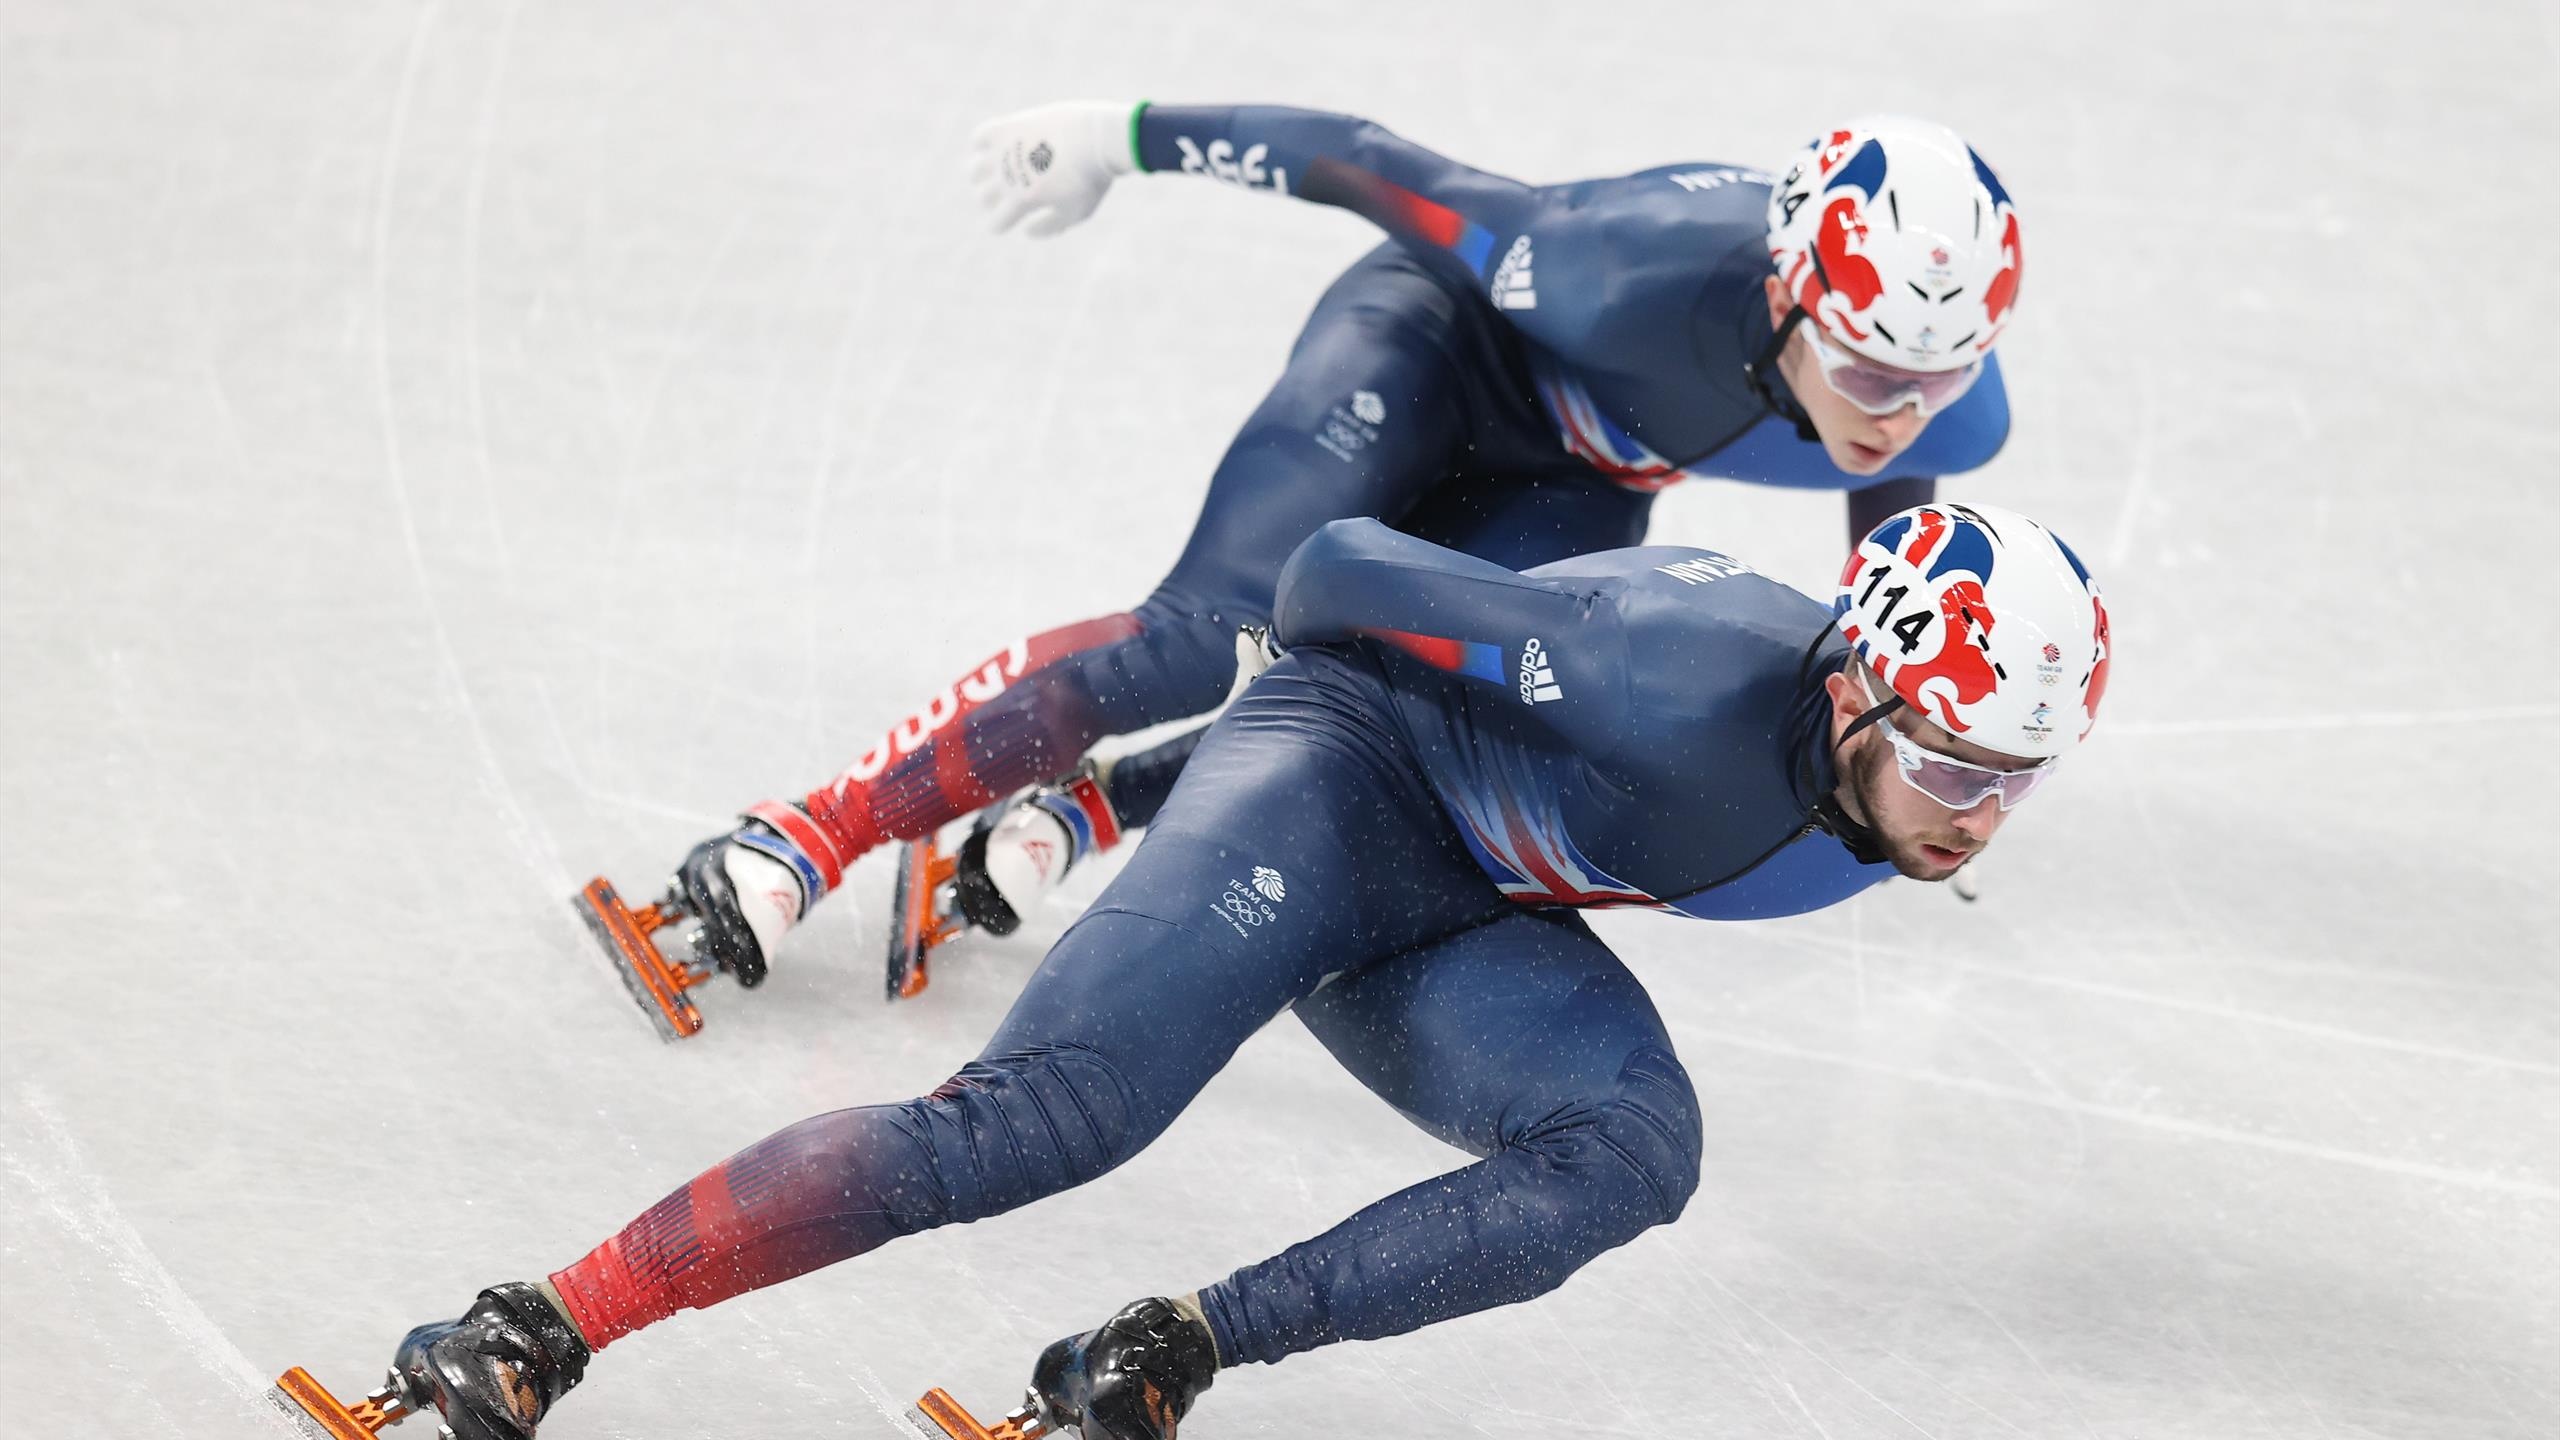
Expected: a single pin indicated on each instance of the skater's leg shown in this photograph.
(1306, 456)
(1139, 784)
(1525, 1042)
(1241, 900)
(1024, 851)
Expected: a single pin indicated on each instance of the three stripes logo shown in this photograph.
(1513, 287)
(1537, 677)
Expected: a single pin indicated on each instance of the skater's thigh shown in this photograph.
(1298, 843)
(1369, 415)
(1487, 1033)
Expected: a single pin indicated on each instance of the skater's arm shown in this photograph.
(1556, 646)
(1459, 217)
(1051, 165)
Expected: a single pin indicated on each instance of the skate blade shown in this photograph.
(939, 1417)
(657, 986)
(324, 1416)
(914, 927)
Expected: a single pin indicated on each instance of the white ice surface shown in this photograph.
(448, 450)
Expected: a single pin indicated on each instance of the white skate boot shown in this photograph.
(1014, 854)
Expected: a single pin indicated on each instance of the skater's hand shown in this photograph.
(1051, 163)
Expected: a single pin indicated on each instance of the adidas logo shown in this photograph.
(1537, 677)
(1512, 287)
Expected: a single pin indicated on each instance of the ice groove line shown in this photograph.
(868, 1381)
(2342, 720)
(531, 842)
(2137, 478)
(475, 194)
(64, 1185)
(2273, 1022)
(2232, 1013)
(2170, 1124)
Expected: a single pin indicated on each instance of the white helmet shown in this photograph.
(1984, 622)
(1899, 242)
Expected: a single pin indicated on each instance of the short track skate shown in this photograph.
(939, 1417)
(324, 1416)
(656, 982)
(921, 915)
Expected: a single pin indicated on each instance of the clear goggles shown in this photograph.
(1959, 784)
(1882, 389)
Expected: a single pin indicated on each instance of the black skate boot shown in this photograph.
(494, 1373)
(1133, 1379)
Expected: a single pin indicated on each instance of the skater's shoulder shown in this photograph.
(1690, 205)
(1696, 606)
(1627, 261)
(1683, 572)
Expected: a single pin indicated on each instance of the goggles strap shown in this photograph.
(1762, 372)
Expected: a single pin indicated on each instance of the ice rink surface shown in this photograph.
(449, 450)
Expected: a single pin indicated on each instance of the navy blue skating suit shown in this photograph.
(1389, 832)
(1515, 374)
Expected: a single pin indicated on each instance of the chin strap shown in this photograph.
(1864, 844)
(1763, 370)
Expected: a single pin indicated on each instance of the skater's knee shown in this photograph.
(1654, 1122)
(1191, 637)
(1628, 1158)
(1015, 1126)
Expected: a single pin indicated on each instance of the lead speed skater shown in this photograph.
(1515, 373)
(1658, 727)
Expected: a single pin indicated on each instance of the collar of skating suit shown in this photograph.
(1817, 772)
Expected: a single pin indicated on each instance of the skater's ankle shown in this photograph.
(551, 1294)
(1188, 1307)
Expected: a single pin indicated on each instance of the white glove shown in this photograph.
(1056, 160)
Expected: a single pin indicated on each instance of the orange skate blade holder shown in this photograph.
(922, 872)
(938, 1415)
(307, 1399)
(656, 984)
